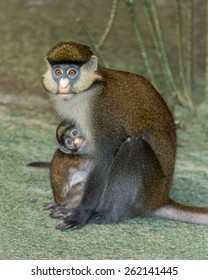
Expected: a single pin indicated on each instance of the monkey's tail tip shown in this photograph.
(39, 164)
(179, 212)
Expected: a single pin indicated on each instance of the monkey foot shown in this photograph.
(50, 205)
(65, 226)
(60, 213)
(77, 219)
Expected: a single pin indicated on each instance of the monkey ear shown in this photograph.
(46, 60)
(92, 63)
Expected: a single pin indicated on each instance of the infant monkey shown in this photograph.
(72, 141)
(70, 167)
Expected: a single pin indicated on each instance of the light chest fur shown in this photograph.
(77, 110)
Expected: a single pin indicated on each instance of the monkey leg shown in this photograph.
(135, 184)
(93, 191)
(59, 175)
(66, 196)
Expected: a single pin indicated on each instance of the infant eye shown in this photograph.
(74, 133)
(69, 141)
(58, 72)
(72, 72)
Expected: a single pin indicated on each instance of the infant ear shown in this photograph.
(92, 63)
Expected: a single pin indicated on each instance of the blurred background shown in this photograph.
(164, 40)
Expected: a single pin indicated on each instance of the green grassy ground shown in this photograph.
(27, 133)
(27, 231)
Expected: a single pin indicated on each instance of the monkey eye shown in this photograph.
(72, 72)
(74, 133)
(58, 72)
(69, 142)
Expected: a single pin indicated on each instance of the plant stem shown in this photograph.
(109, 24)
(179, 35)
(206, 61)
(154, 37)
(151, 26)
(130, 5)
(93, 43)
(163, 52)
(189, 57)
(178, 26)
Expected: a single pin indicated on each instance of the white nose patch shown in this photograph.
(64, 82)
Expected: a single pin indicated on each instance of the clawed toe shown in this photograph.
(50, 205)
(60, 213)
(65, 226)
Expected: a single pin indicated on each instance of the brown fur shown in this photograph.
(69, 52)
(136, 106)
(122, 106)
(68, 174)
(59, 174)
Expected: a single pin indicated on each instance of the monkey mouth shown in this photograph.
(66, 96)
(64, 149)
(82, 145)
(65, 93)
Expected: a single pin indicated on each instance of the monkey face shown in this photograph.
(65, 75)
(68, 79)
(72, 141)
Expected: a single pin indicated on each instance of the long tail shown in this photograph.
(39, 164)
(182, 213)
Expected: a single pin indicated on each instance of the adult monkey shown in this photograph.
(129, 130)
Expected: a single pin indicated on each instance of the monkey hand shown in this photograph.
(76, 220)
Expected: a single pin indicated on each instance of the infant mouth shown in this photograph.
(64, 149)
(82, 145)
